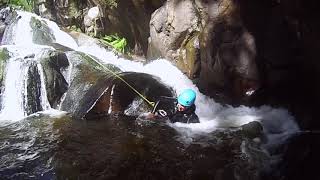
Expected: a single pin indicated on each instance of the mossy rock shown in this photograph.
(4, 57)
(41, 33)
(189, 57)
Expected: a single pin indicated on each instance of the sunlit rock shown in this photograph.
(174, 31)
(87, 81)
(4, 56)
(90, 20)
(41, 33)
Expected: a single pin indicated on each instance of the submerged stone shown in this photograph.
(252, 130)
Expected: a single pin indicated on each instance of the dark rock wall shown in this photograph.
(286, 34)
(228, 55)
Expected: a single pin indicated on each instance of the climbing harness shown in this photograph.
(162, 112)
(152, 104)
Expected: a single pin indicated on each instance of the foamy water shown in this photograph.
(212, 115)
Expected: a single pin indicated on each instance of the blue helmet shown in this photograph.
(187, 97)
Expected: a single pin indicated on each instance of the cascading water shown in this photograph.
(43, 96)
(278, 124)
(13, 96)
(212, 115)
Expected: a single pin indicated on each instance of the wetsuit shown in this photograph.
(186, 116)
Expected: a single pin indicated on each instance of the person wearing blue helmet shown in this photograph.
(184, 110)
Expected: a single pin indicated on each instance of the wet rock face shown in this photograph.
(209, 41)
(130, 19)
(7, 17)
(4, 57)
(33, 103)
(174, 31)
(63, 12)
(41, 33)
(228, 55)
(87, 82)
(54, 64)
(119, 98)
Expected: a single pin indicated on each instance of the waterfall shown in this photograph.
(212, 114)
(43, 96)
(16, 98)
(21, 32)
(14, 91)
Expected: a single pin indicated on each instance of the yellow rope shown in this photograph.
(152, 104)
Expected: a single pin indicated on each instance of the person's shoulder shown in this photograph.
(193, 108)
(194, 118)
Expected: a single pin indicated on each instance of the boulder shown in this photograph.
(55, 65)
(174, 33)
(119, 98)
(252, 130)
(90, 20)
(88, 80)
(41, 33)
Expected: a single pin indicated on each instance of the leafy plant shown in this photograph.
(116, 42)
(74, 28)
(26, 5)
(111, 3)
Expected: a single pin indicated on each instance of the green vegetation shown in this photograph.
(26, 5)
(110, 3)
(116, 42)
(74, 28)
(4, 54)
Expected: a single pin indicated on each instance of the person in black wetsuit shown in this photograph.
(184, 110)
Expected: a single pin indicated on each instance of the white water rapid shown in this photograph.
(212, 115)
(14, 97)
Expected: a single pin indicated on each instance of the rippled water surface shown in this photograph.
(119, 147)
